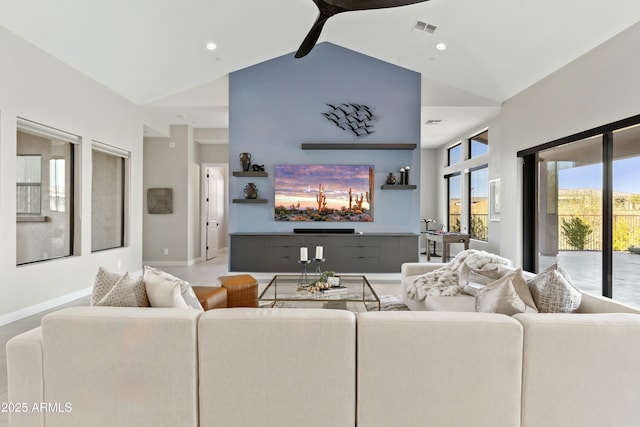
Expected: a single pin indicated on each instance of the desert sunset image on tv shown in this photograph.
(332, 193)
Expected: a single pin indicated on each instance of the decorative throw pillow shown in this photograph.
(105, 280)
(500, 297)
(110, 289)
(475, 282)
(553, 293)
(560, 270)
(166, 290)
(522, 288)
(472, 279)
(122, 294)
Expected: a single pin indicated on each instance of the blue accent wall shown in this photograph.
(277, 105)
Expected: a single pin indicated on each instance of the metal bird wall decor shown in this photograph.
(353, 118)
(328, 8)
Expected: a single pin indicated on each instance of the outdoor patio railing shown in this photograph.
(479, 225)
(626, 228)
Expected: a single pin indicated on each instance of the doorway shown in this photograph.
(214, 209)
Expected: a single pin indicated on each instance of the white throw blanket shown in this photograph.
(445, 280)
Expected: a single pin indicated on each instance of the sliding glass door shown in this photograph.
(570, 211)
(581, 198)
(625, 222)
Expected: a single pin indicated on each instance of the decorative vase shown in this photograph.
(391, 179)
(245, 161)
(250, 191)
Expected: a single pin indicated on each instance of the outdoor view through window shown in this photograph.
(570, 220)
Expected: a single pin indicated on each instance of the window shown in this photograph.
(454, 154)
(45, 188)
(57, 193)
(479, 144)
(479, 203)
(29, 185)
(455, 202)
(108, 197)
(585, 192)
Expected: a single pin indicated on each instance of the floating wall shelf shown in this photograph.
(323, 146)
(250, 174)
(398, 187)
(249, 200)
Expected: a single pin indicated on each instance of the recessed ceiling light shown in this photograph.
(211, 46)
(441, 46)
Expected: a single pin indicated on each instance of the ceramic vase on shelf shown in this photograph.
(250, 191)
(391, 179)
(245, 161)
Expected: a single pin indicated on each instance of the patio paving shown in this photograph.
(585, 269)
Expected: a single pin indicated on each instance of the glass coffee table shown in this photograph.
(284, 290)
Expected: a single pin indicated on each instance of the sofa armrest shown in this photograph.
(25, 377)
(598, 304)
(416, 268)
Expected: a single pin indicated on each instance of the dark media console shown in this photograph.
(343, 253)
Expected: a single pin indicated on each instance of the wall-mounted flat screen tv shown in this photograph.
(332, 193)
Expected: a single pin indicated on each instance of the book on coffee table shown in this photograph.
(334, 290)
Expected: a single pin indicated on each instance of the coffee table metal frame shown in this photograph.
(284, 288)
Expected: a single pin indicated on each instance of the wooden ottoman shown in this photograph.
(242, 290)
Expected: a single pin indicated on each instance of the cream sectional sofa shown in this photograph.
(578, 369)
(103, 366)
(466, 303)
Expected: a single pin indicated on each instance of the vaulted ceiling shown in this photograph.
(153, 52)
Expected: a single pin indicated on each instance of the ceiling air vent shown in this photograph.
(424, 27)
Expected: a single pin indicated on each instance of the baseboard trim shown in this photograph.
(188, 263)
(195, 261)
(166, 263)
(43, 306)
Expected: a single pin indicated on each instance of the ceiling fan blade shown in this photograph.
(310, 41)
(370, 4)
(328, 8)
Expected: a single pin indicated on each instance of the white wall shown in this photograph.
(216, 153)
(598, 88)
(35, 86)
(172, 163)
(429, 189)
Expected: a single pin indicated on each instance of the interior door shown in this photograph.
(214, 186)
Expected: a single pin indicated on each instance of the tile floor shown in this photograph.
(204, 273)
